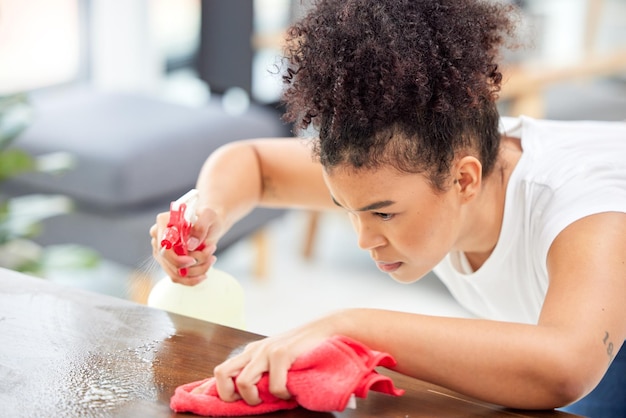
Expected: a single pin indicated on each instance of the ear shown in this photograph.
(468, 177)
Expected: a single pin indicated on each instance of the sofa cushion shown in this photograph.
(131, 150)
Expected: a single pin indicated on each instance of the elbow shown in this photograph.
(554, 392)
(568, 382)
(567, 390)
(553, 380)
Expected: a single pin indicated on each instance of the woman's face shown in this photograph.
(405, 225)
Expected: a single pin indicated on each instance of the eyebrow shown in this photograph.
(371, 206)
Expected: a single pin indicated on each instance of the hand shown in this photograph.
(237, 377)
(206, 230)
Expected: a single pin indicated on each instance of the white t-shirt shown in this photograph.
(568, 170)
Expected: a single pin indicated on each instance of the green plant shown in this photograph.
(20, 217)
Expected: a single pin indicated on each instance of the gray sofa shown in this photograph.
(134, 154)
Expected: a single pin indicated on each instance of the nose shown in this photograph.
(367, 235)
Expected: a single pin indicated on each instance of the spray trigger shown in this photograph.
(182, 218)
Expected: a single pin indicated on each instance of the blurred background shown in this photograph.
(114, 104)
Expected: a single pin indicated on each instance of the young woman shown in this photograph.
(524, 220)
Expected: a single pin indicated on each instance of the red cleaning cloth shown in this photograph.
(323, 379)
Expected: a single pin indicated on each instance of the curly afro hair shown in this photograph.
(411, 83)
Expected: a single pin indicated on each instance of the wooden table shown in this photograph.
(70, 353)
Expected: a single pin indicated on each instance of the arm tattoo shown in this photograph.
(609, 345)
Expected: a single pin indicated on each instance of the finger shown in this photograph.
(197, 263)
(199, 268)
(246, 383)
(203, 254)
(208, 249)
(168, 260)
(159, 256)
(201, 389)
(160, 222)
(189, 270)
(185, 264)
(153, 231)
(226, 390)
(278, 370)
(172, 264)
(251, 373)
(207, 229)
(225, 374)
(190, 281)
(158, 251)
(157, 230)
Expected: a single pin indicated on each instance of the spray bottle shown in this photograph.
(219, 298)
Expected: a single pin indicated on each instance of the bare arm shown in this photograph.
(553, 363)
(235, 179)
(267, 172)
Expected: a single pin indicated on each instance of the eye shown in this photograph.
(383, 216)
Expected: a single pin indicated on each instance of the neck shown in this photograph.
(485, 214)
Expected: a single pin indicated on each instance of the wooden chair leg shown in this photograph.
(259, 241)
(139, 286)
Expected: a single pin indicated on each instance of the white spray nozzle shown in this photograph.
(190, 199)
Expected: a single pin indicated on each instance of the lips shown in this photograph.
(388, 267)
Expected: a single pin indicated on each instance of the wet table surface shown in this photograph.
(70, 353)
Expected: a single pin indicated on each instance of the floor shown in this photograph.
(294, 289)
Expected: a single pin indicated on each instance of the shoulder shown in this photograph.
(568, 170)
(584, 155)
